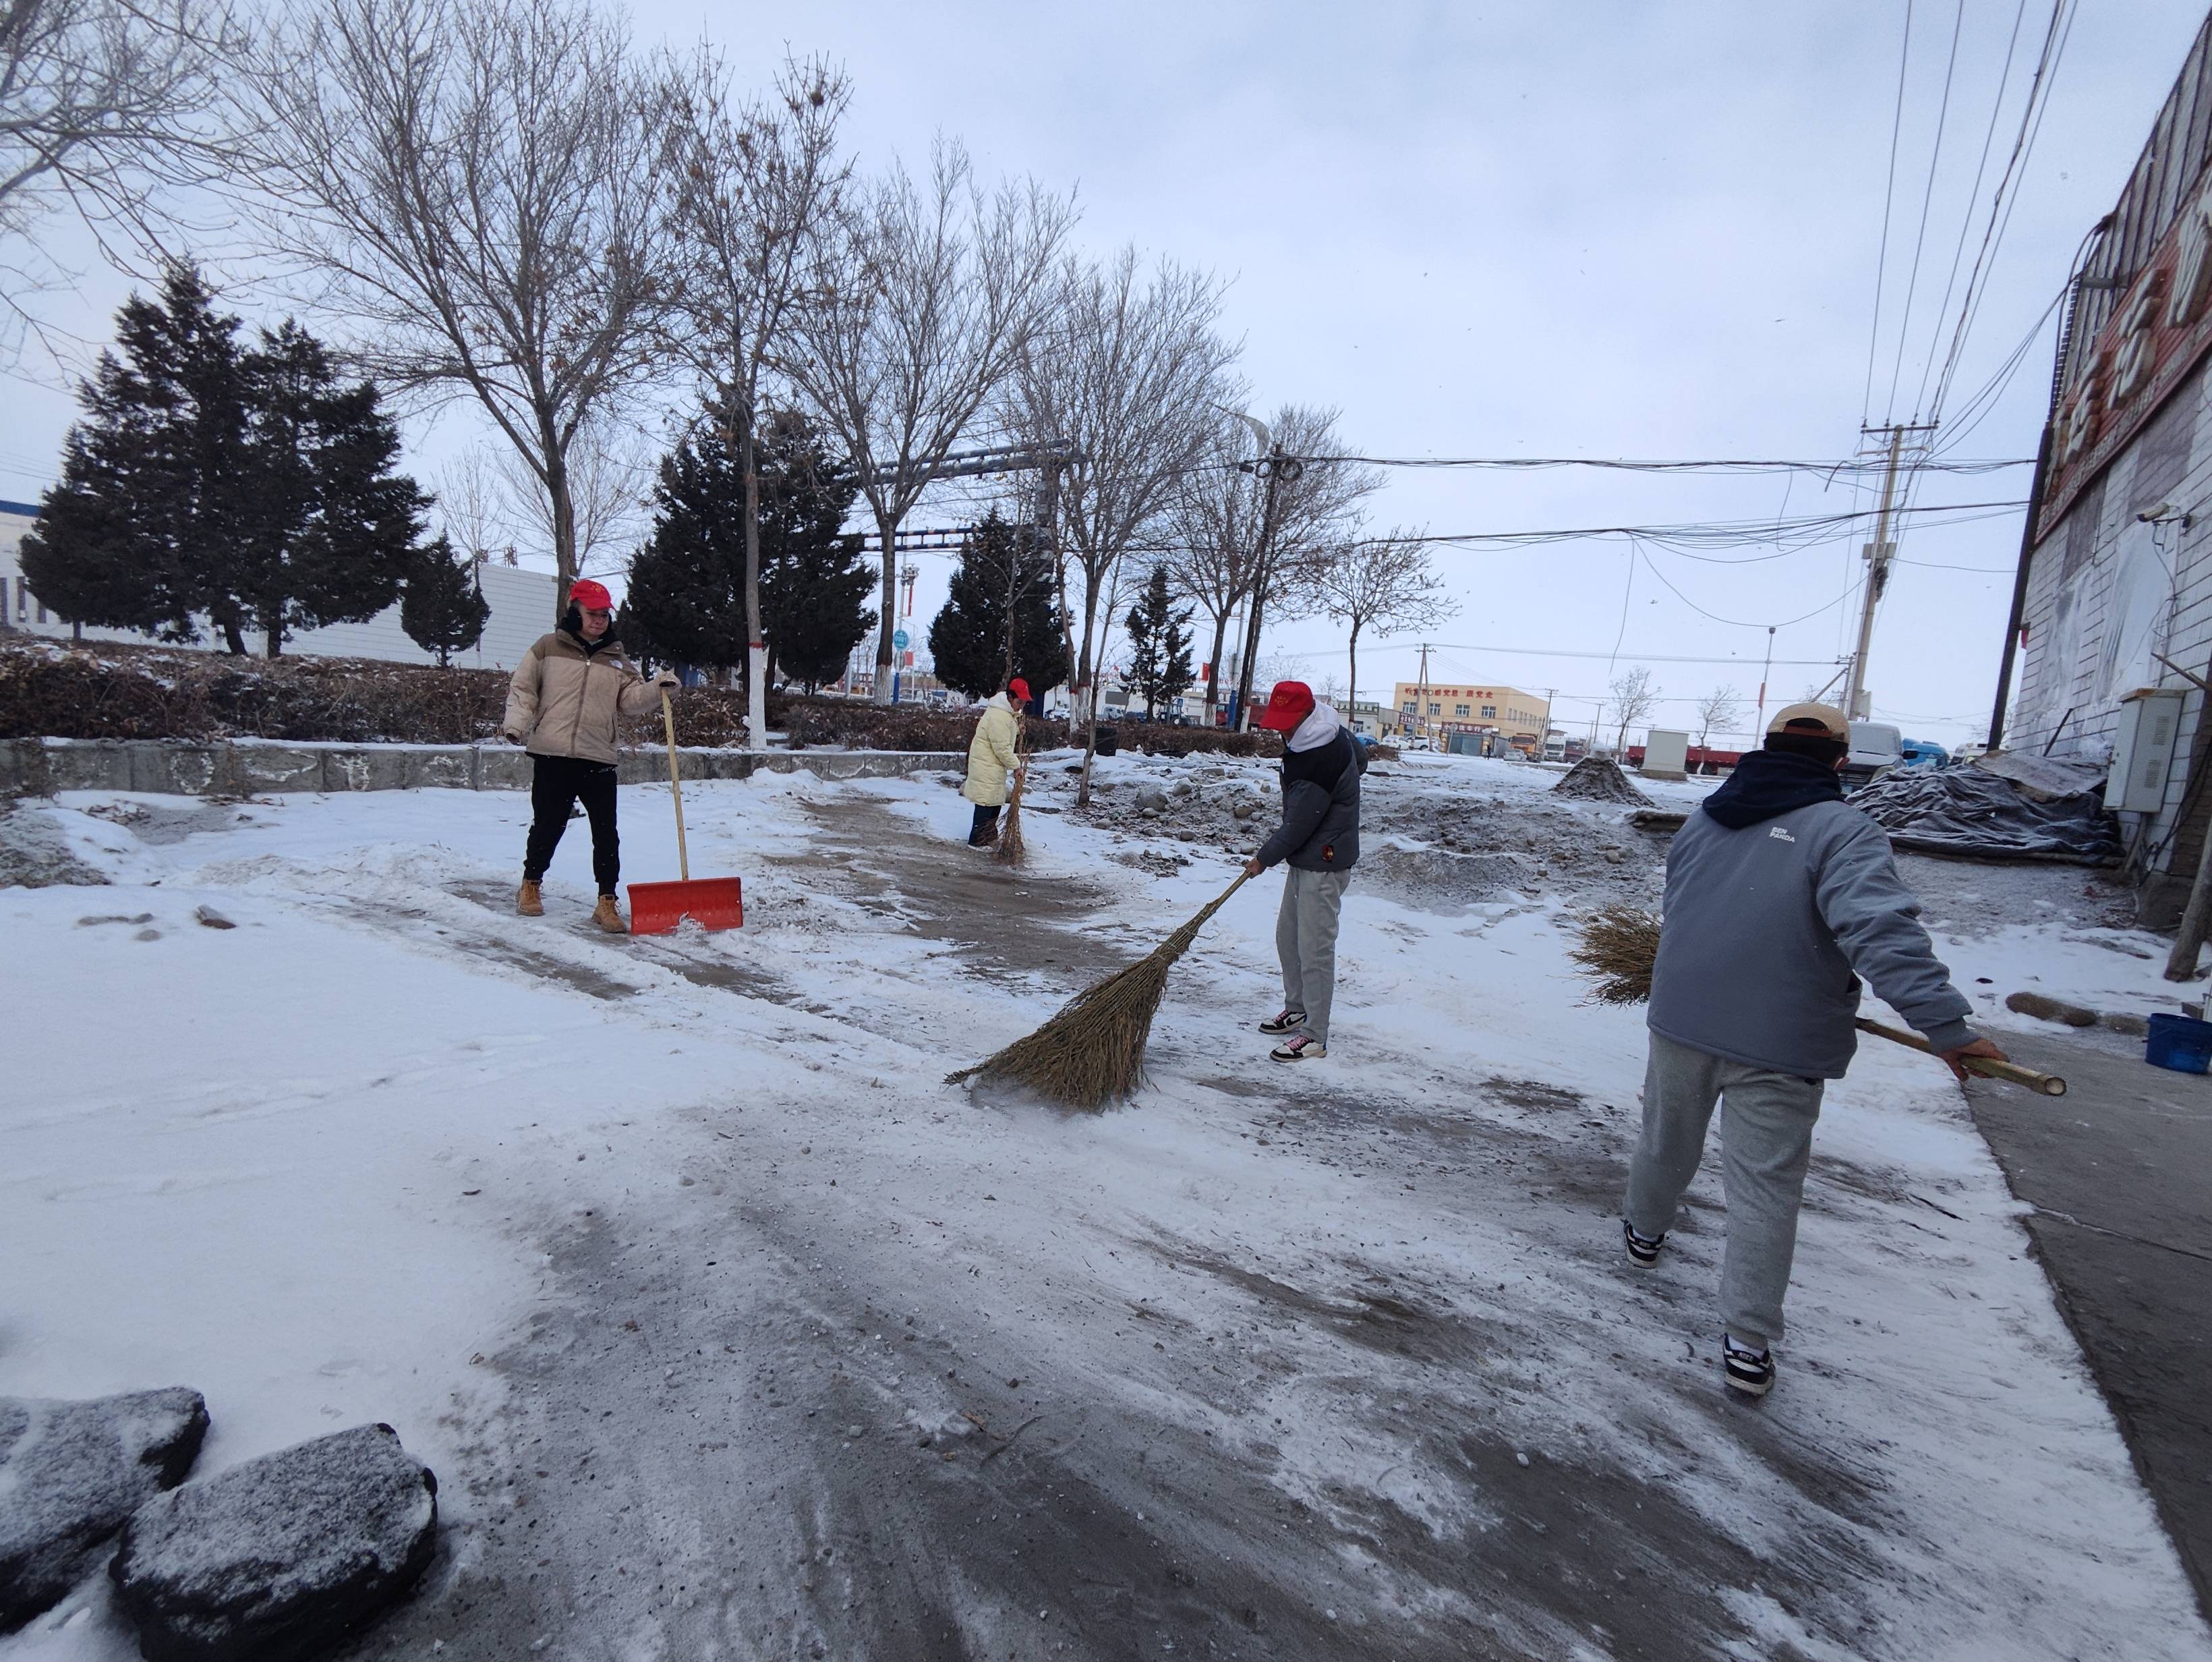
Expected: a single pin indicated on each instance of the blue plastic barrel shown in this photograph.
(2181, 1042)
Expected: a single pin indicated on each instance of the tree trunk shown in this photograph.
(1085, 709)
(756, 649)
(889, 528)
(1351, 692)
(1213, 668)
(564, 528)
(1251, 664)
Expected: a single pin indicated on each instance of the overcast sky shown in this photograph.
(1616, 230)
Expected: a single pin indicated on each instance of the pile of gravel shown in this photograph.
(1599, 779)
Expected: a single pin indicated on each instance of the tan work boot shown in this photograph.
(608, 916)
(528, 902)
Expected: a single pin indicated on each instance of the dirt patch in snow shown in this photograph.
(34, 855)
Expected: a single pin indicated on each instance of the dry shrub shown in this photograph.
(1165, 739)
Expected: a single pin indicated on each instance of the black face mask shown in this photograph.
(1770, 782)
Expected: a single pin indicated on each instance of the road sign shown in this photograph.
(899, 639)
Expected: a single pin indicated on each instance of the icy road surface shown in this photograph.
(732, 1332)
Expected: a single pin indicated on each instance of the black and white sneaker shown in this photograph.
(1643, 1250)
(1299, 1047)
(1750, 1372)
(1289, 1022)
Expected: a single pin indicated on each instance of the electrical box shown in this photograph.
(1666, 755)
(2142, 751)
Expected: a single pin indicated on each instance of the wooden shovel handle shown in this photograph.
(2049, 1085)
(675, 784)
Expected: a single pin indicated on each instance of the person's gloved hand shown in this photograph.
(666, 679)
(1253, 867)
(512, 737)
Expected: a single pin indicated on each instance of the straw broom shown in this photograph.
(1620, 944)
(1008, 851)
(1093, 1051)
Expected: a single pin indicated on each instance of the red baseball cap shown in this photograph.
(1020, 690)
(591, 596)
(1290, 704)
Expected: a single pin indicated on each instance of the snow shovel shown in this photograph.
(713, 902)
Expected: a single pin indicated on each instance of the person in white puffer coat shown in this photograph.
(994, 759)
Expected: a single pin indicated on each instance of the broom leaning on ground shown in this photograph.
(1619, 946)
(1093, 1051)
(1008, 851)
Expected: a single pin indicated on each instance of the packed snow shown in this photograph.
(731, 1330)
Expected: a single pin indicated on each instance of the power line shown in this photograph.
(1888, 195)
(1973, 193)
(1927, 196)
(1831, 469)
(1640, 657)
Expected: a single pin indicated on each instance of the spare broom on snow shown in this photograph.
(1619, 946)
(1093, 1051)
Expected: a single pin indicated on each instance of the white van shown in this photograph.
(1876, 747)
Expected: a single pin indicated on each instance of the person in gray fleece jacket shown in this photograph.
(1780, 897)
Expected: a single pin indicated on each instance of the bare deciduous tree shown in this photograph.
(482, 187)
(920, 306)
(1634, 698)
(1385, 583)
(757, 183)
(1128, 376)
(1214, 524)
(1718, 709)
(106, 107)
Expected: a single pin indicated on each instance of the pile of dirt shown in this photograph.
(34, 855)
(1599, 779)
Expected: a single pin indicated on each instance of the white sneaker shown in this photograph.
(1289, 1022)
(1299, 1047)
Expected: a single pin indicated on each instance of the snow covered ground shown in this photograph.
(733, 1332)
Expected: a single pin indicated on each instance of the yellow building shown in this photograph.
(1436, 711)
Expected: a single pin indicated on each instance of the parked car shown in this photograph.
(1926, 753)
(1876, 747)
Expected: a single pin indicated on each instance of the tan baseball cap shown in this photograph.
(1827, 719)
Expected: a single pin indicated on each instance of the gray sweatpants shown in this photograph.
(1767, 1137)
(1305, 940)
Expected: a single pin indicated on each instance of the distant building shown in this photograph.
(521, 610)
(1437, 712)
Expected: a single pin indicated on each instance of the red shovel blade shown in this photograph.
(713, 902)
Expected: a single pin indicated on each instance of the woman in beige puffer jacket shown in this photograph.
(993, 754)
(563, 704)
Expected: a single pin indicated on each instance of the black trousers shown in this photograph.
(985, 828)
(556, 783)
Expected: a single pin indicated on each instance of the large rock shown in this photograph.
(72, 1473)
(282, 1557)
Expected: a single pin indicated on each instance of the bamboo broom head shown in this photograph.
(1092, 1052)
(1618, 948)
(1008, 851)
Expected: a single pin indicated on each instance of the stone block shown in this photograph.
(258, 768)
(86, 764)
(281, 1559)
(502, 767)
(71, 1473)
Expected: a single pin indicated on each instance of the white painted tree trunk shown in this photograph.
(757, 696)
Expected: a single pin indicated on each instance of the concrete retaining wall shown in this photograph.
(41, 767)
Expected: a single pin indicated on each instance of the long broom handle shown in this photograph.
(675, 785)
(2049, 1085)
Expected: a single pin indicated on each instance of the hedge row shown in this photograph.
(56, 691)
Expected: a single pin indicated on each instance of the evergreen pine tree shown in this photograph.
(336, 531)
(814, 582)
(1159, 644)
(967, 636)
(441, 604)
(250, 489)
(686, 602)
(154, 477)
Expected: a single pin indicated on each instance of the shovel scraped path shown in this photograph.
(732, 1332)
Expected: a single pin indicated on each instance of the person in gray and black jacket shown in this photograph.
(1320, 839)
(1780, 897)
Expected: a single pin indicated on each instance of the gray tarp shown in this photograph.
(1976, 812)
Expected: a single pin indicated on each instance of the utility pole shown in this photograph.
(1877, 554)
(1421, 694)
(1758, 722)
